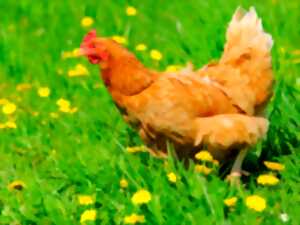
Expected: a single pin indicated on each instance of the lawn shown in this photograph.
(71, 144)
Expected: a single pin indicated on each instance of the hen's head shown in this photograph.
(94, 48)
(100, 50)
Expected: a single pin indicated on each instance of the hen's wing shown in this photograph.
(173, 101)
(233, 84)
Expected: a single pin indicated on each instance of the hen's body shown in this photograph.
(214, 106)
(192, 111)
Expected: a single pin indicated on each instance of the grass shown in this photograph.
(84, 152)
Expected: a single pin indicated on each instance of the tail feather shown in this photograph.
(248, 48)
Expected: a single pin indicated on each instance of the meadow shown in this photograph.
(64, 145)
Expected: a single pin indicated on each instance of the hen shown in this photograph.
(215, 107)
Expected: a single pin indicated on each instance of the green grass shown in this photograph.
(84, 153)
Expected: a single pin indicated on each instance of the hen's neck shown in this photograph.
(126, 75)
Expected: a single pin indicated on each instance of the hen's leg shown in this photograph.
(236, 170)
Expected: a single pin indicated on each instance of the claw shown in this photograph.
(157, 153)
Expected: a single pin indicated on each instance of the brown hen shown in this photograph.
(215, 107)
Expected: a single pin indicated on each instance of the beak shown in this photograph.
(81, 52)
(86, 52)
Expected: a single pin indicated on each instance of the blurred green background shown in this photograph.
(57, 155)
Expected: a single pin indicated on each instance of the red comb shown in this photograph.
(88, 37)
(87, 45)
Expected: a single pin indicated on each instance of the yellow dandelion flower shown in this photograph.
(274, 166)
(43, 92)
(66, 55)
(173, 68)
(63, 103)
(141, 47)
(156, 55)
(267, 179)
(76, 52)
(203, 169)
(136, 149)
(87, 21)
(64, 106)
(131, 11)
(73, 110)
(54, 115)
(23, 87)
(10, 124)
(230, 202)
(141, 197)
(79, 70)
(35, 113)
(16, 185)
(88, 215)
(204, 156)
(119, 39)
(3, 101)
(296, 52)
(123, 183)
(85, 200)
(134, 218)
(71, 54)
(72, 73)
(9, 108)
(256, 203)
(65, 109)
(172, 177)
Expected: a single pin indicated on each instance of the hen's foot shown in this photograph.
(157, 153)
